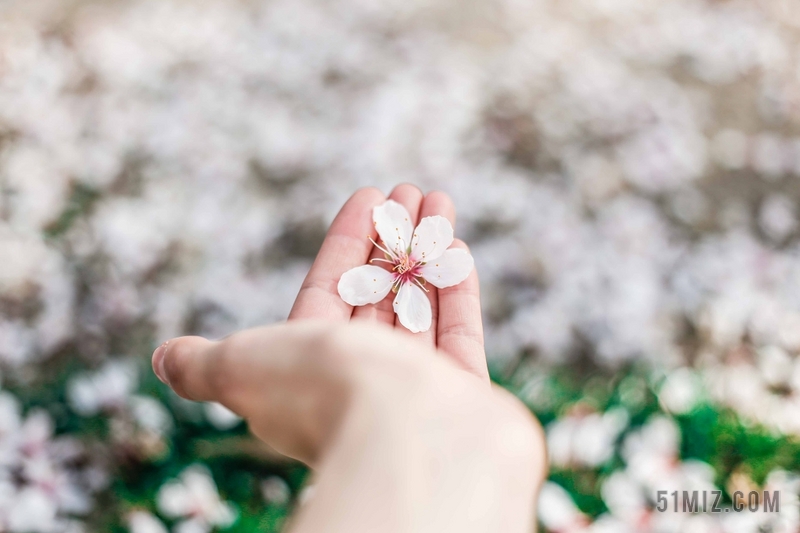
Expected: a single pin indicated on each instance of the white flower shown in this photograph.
(776, 216)
(558, 512)
(652, 457)
(144, 522)
(275, 491)
(220, 416)
(416, 255)
(150, 414)
(680, 392)
(33, 511)
(106, 389)
(625, 497)
(586, 440)
(194, 497)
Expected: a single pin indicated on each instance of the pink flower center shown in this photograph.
(405, 269)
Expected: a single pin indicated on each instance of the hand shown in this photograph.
(402, 438)
(456, 329)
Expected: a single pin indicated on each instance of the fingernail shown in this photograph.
(158, 362)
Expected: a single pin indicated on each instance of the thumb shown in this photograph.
(290, 381)
(187, 365)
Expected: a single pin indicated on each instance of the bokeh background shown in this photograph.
(627, 175)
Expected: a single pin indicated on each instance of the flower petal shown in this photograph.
(431, 238)
(450, 268)
(413, 308)
(393, 224)
(367, 284)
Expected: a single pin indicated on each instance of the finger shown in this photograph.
(345, 246)
(410, 197)
(434, 203)
(273, 376)
(460, 328)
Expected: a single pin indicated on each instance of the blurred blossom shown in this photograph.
(664, 158)
(107, 389)
(776, 365)
(220, 416)
(651, 456)
(626, 499)
(144, 522)
(788, 485)
(275, 491)
(39, 486)
(651, 465)
(623, 172)
(767, 393)
(558, 512)
(33, 511)
(175, 211)
(680, 391)
(769, 156)
(777, 217)
(786, 521)
(306, 494)
(585, 439)
(794, 156)
(150, 414)
(193, 497)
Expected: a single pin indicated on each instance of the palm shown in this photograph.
(456, 328)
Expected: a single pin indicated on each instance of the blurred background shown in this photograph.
(627, 175)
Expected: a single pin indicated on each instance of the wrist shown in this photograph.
(434, 450)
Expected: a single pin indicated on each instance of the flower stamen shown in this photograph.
(381, 248)
(421, 286)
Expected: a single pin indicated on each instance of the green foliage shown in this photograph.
(239, 465)
(709, 433)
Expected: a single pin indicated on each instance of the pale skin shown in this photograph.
(404, 431)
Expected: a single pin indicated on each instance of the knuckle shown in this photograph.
(350, 352)
(467, 330)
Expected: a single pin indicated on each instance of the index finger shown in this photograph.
(345, 246)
